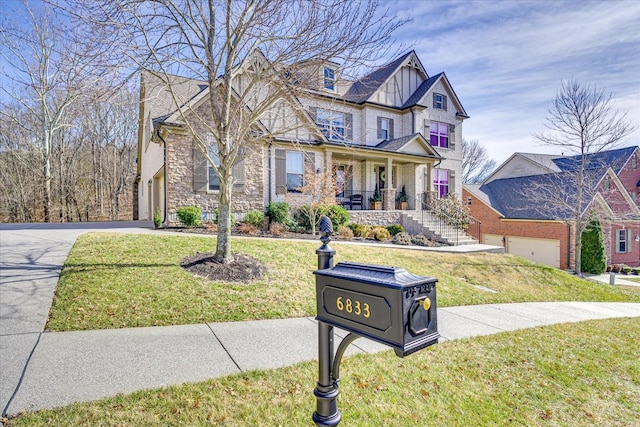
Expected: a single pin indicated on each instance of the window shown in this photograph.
(214, 181)
(607, 184)
(623, 241)
(332, 124)
(439, 101)
(329, 78)
(634, 162)
(385, 128)
(295, 171)
(441, 182)
(439, 134)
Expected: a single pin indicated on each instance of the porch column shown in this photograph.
(389, 192)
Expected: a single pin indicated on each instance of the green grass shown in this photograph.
(125, 280)
(580, 374)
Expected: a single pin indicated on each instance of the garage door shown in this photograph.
(545, 251)
(493, 239)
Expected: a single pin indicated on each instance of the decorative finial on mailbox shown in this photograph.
(326, 229)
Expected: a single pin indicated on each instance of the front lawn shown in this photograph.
(580, 374)
(128, 280)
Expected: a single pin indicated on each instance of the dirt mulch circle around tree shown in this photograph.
(243, 269)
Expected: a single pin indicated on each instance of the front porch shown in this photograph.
(386, 199)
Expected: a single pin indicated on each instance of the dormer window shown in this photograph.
(439, 101)
(329, 78)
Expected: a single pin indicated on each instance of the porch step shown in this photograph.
(417, 222)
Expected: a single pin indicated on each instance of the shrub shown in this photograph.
(277, 229)
(157, 219)
(395, 229)
(378, 233)
(338, 215)
(279, 212)
(248, 228)
(420, 240)
(593, 258)
(301, 216)
(402, 238)
(345, 233)
(616, 268)
(626, 269)
(191, 216)
(254, 218)
(359, 230)
(233, 218)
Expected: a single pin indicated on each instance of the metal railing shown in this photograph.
(451, 228)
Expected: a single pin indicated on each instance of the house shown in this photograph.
(516, 214)
(395, 127)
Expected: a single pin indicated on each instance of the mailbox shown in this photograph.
(385, 304)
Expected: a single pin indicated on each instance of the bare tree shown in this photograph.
(49, 67)
(252, 54)
(583, 121)
(319, 187)
(476, 163)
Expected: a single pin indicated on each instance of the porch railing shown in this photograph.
(359, 202)
(452, 228)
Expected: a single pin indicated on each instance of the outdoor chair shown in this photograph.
(356, 200)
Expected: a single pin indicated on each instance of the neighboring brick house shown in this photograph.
(519, 221)
(396, 127)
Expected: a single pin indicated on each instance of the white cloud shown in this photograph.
(506, 59)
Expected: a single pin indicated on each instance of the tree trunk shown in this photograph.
(223, 246)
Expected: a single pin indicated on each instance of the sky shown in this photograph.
(506, 60)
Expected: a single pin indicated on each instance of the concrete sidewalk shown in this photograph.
(48, 369)
(67, 367)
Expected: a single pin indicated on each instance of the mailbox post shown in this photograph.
(385, 304)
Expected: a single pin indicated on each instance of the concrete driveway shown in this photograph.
(31, 257)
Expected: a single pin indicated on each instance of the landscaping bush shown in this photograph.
(190, 216)
(215, 221)
(277, 229)
(359, 230)
(420, 240)
(279, 212)
(378, 233)
(593, 258)
(395, 229)
(254, 218)
(248, 228)
(338, 215)
(345, 233)
(626, 269)
(157, 219)
(402, 238)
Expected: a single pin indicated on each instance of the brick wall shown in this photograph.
(492, 223)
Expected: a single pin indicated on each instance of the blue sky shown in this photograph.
(506, 59)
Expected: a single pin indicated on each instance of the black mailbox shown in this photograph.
(385, 304)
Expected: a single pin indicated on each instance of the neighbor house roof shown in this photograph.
(615, 159)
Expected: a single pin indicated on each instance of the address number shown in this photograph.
(353, 306)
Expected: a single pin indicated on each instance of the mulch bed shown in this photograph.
(243, 268)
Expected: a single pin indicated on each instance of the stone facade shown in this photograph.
(180, 180)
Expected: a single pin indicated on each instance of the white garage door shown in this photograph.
(493, 239)
(545, 251)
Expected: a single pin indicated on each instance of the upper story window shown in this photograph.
(385, 128)
(439, 134)
(634, 162)
(439, 101)
(607, 184)
(333, 124)
(329, 78)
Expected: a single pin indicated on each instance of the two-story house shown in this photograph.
(514, 214)
(394, 128)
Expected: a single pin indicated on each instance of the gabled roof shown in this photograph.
(616, 159)
(361, 90)
(509, 196)
(397, 144)
(422, 90)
